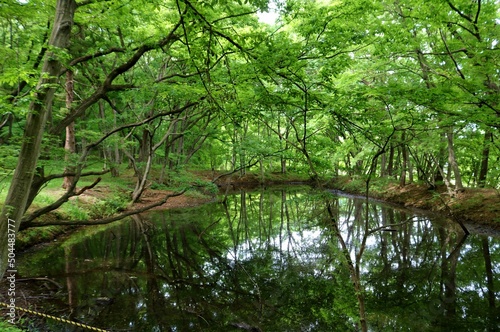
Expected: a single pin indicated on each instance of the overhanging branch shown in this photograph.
(105, 220)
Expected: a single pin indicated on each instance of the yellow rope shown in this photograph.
(56, 318)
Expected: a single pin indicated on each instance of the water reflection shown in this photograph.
(274, 260)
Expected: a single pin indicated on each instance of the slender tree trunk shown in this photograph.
(17, 197)
(404, 161)
(111, 153)
(142, 179)
(69, 143)
(383, 165)
(453, 162)
(409, 167)
(7, 120)
(440, 161)
(390, 163)
(488, 138)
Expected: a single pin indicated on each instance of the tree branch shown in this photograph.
(26, 221)
(61, 175)
(88, 57)
(389, 225)
(106, 220)
(457, 68)
(478, 11)
(458, 11)
(107, 84)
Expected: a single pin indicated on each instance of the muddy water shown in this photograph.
(287, 259)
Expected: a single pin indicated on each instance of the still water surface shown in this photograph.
(289, 259)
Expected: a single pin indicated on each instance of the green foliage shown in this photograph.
(8, 159)
(180, 180)
(74, 211)
(205, 186)
(8, 327)
(108, 207)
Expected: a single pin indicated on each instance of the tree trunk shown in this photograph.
(488, 138)
(453, 162)
(17, 197)
(390, 163)
(404, 162)
(142, 179)
(69, 143)
(440, 162)
(383, 165)
(7, 120)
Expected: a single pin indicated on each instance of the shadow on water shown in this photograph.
(271, 260)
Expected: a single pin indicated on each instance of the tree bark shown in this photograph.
(17, 196)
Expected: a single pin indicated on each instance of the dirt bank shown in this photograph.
(472, 206)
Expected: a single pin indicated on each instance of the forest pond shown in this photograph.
(280, 259)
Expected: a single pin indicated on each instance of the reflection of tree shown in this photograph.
(353, 265)
(376, 244)
(70, 284)
(267, 260)
(485, 246)
(449, 271)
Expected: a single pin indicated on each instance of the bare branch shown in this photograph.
(140, 123)
(232, 16)
(176, 75)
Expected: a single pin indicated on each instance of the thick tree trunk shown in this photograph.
(17, 197)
